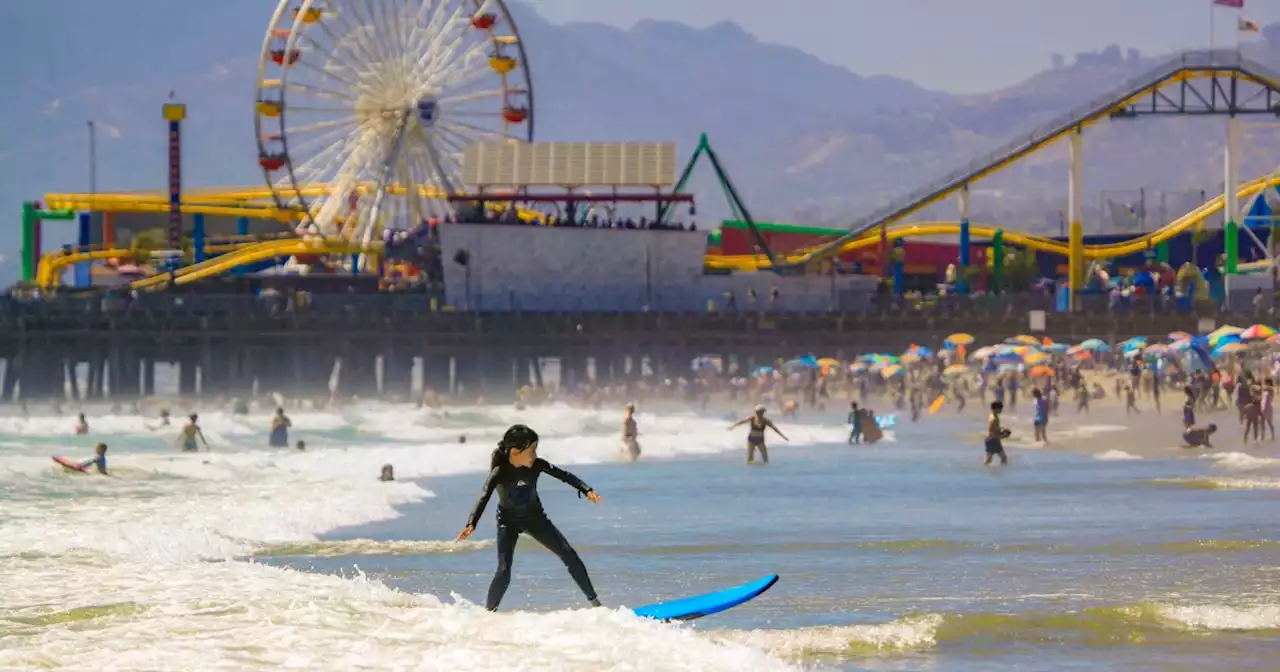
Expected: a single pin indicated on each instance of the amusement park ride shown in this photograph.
(363, 121)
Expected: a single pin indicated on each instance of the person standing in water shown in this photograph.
(1042, 416)
(855, 423)
(189, 433)
(280, 425)
(755, 437)
(513, 472)
(82, 425)
(630, 432)
(996, 435)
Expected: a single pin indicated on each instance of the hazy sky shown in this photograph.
(962, 46)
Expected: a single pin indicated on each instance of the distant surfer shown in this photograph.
(99, 459)
(755, 435)
(855, 424)
(630, 432)
(189, 433)
(996, 435)
(82, 425)
(513, 472)
(280, 425)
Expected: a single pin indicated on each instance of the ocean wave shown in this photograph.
(359, 547)
(1116, 456)
(1241, 461)
(1217, 483)
(1144, 624)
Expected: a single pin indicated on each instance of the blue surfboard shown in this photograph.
(689, 608)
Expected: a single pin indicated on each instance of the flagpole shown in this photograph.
(1212, 15)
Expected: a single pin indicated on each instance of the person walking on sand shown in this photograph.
(1189, 408)
(996, 436)
(1130, 405)
(1268, 413)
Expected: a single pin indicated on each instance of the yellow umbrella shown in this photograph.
(910, 358)
(891, 371)
(960, 339)
(1042, 372)
(1026, 340)
(1035, 358)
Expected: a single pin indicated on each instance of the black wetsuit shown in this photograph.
(520, 510)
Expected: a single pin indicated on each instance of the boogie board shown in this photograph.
(689, 608)
(68, 464)
(886, 421)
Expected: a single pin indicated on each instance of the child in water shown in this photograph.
(996, 435)
(99, 459)
(189, 433)
(513, 473)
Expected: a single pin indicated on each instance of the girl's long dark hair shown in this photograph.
(516, 436)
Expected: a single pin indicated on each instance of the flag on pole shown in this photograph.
(1238, 4)
(1247, 26)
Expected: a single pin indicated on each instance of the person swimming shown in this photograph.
(99, 459)
(82, 425)
(630, 431)
(755, 436)
(280, 425)
(514, 468)
(189, 433)
(388, 473)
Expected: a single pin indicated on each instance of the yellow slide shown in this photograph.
(1105, 251)
(250, 254)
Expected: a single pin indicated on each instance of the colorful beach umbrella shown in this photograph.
(1023, 339)
(1179, 336)
(1042, 372)
(891, 371)
(1257, 332)
(1035, 358)
(1095, 345)
(960, 339)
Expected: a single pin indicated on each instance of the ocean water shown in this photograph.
(907, 555)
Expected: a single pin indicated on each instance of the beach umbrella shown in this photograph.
(1257, 332)
(1042, 372)
(1274, 340)
(1224, 339)
(955, 370)
(920, 351)
(1023, 339)
(1135, 342)
(960, 339)
(1179, 336)
(1156, 350)
(983, 352)
(910, 358)
(1082, 355)
(1229, 349)
(857, 367)
(1056, 348)
(895, 370)
(1076, 348)
(1095, 345)
(807, 362)
(1036, 358)
(1222, 332)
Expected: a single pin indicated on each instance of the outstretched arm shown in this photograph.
(740, 422)
(778, 431)
(563, 476)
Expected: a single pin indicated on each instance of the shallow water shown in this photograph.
(907, 555)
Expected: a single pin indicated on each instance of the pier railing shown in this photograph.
(410, 316)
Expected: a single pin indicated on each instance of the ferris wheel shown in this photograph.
(364, 107)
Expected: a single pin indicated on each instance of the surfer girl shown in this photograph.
(996, 435)
(513, 472)
(280, 425)
(755, 436)
(189, 433)
(630, 432)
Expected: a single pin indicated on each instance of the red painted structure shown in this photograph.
(922, 258)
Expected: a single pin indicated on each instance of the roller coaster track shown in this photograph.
(1144, 95)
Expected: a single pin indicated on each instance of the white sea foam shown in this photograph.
(131, 555)
(1116, 456)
